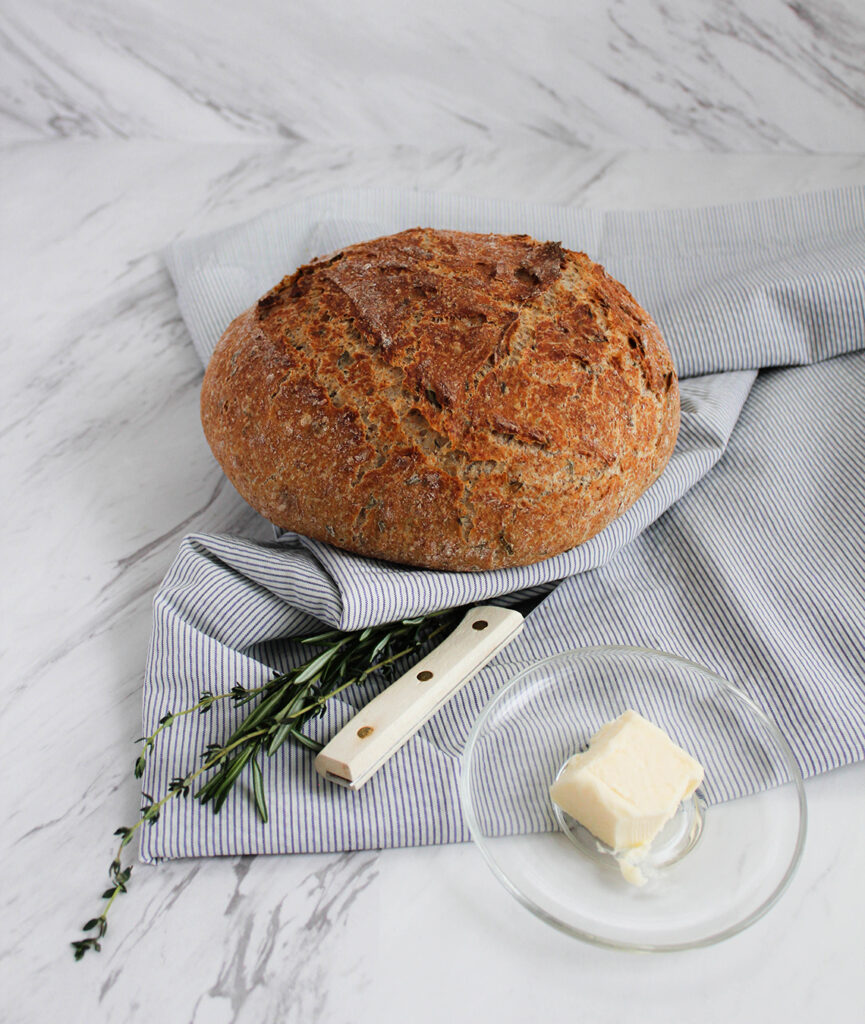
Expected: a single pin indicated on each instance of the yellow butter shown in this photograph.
(627, 785)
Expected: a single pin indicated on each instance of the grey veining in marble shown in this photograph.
(743, 75)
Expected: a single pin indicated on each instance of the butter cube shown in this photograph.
(628, 784)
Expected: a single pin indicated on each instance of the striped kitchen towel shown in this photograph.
(747, 555)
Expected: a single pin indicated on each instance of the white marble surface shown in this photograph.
(742, 75)
(104, 468)
(123, 125)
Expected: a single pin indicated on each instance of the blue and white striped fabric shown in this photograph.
(751, 563)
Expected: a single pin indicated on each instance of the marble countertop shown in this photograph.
(125, 126)
(602, 74)
(105, 469)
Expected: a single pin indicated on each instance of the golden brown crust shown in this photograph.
(444, 399)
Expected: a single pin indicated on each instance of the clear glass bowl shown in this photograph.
(717, 867)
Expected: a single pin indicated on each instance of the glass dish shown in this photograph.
(717, 867)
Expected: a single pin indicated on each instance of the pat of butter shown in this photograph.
(627, 785)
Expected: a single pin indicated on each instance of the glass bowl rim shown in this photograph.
(754, 709)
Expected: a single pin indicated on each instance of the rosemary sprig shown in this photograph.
(284, 706)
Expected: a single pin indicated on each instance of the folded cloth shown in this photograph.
(751, 564)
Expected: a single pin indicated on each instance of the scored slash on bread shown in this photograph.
(444, 399)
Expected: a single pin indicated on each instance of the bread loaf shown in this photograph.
(443, 399)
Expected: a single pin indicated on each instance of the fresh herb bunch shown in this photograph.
(282, 707)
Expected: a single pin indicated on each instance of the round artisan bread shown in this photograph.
(443, 399)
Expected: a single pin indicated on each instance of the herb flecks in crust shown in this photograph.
(444, 399)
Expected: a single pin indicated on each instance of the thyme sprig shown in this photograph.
(283, 707)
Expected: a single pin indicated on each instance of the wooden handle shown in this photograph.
(378, 730)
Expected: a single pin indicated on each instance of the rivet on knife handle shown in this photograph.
(378, 730)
